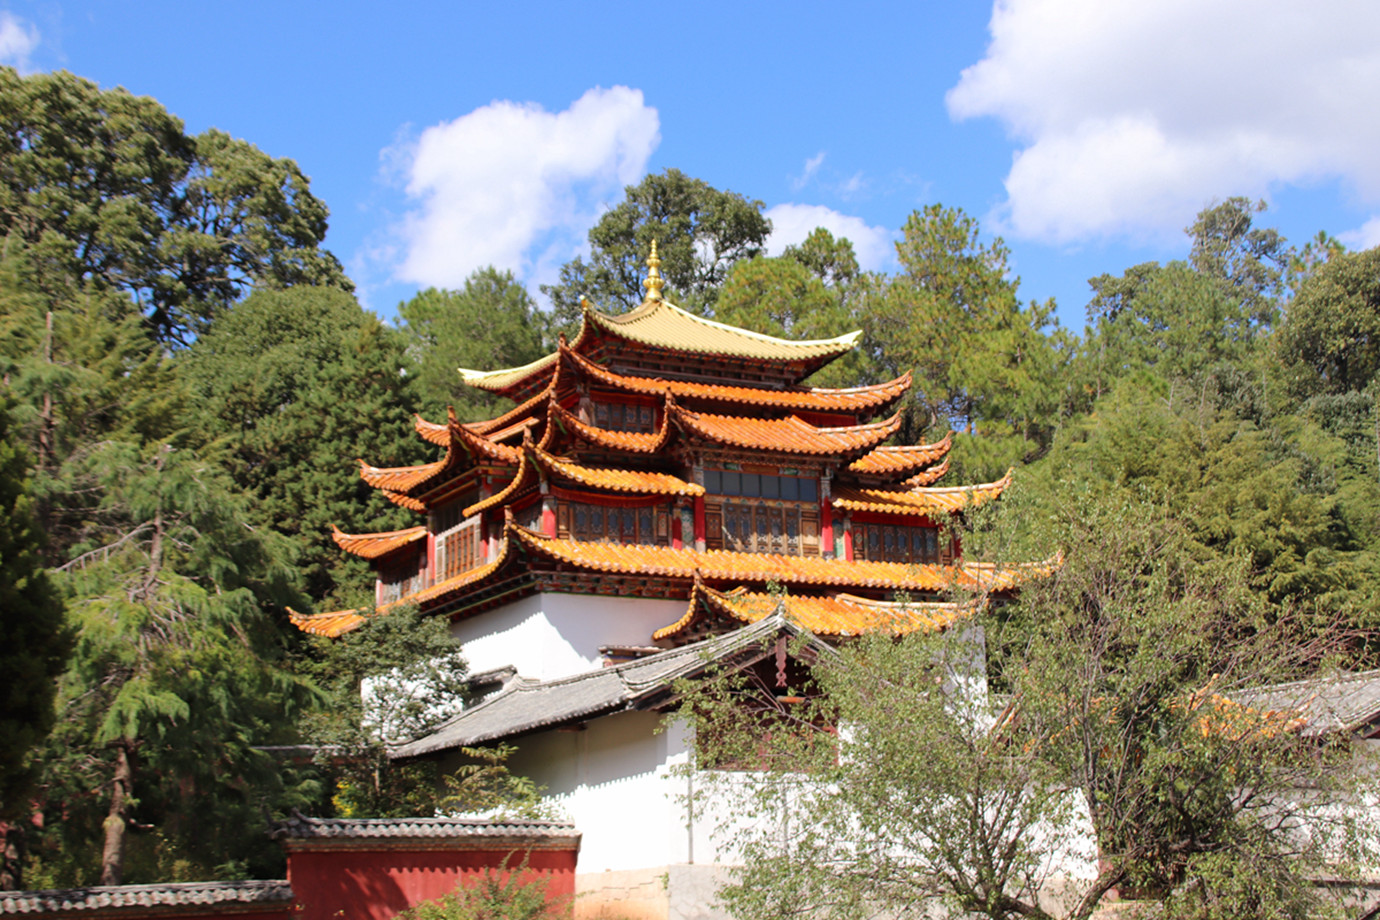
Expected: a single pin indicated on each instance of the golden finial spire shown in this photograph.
(654, 282)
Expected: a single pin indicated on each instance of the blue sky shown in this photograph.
(445, 136)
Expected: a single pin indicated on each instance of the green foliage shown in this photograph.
(291, 387)
(488, 324)
(1124, 673)
(1248, 262)
(393, 679)
(106, 186)
(34, 639)
(511, 894)
(700, 232)
(983, 363)
(176, 674)
(1330, 339)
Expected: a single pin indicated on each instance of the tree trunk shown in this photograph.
(46, 446)
(12, 845)
(117, 820)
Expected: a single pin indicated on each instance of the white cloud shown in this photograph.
(1366, 236)
(1133, 116)
(811, 167)
(18, 39)
(791, 223)
(515, 186)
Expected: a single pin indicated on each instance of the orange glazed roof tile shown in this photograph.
(525, 479)
(902, 459)
(791, 435)
(725, 565)
(635, 481)
(377, 545)
(929, 476)
(431, 431)
(852, 399)
(632, 441)
(408, 479)
(400, 478)
(839, 615)
(332, 625)
(405, 501)
(919, 500)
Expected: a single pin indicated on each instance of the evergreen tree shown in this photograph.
(488, 324)
(700, 232)
(34, 643)
(292, 387)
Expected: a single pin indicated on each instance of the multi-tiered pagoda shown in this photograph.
(665, 493)
(662, 455)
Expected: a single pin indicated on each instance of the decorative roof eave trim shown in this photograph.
(330, 625)
(405, 501)
(902, 459)
(376, 545)
(853, 399)
(506, 379)
(929, 476)
(437, 433)
(634, 482)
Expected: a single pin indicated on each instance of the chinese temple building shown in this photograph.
(664, 487)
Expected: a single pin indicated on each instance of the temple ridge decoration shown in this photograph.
(659, 454)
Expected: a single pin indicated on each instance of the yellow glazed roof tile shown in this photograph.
(331, 625)
(632, 441)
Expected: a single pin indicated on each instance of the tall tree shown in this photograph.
(294, 386)
(1330, 339)
(491, 322)
(106, 185)
(983, 362)
(34, 643)
(174, 674)
(700, 232)
(1248, 261)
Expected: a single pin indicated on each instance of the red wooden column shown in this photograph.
(826, 517)
(699, 523)
(848, 537)
(677, 537)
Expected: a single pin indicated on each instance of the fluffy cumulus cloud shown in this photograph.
(1132, 116)
(791, 223)
(18, 39)
(515, 186)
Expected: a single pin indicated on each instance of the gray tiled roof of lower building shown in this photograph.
(1338, 702)
(302, 827)
(115, 897)
(530, 705)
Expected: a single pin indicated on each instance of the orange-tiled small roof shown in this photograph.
(376, 545)
(919, 500)
(462, 443)
(508, 378)
(632, 441)
(332, 625)
(929, 476)
(634, 481)
(404, 501)
(792, 435)
(851, 399)
(905, 459)
(838, 615)
(432, 432)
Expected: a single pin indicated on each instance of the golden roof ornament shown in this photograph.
(654, 282)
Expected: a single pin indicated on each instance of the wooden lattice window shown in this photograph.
(459, 546)
(400, 577)
(646, 525)
(900, 543)
(624, 417)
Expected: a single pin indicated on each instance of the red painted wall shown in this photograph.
(358, 884)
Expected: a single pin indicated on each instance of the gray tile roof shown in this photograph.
(302, 827)
(178, 895)
(529, 705)
(1339, 702)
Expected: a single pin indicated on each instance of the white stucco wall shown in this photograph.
(547, 636)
